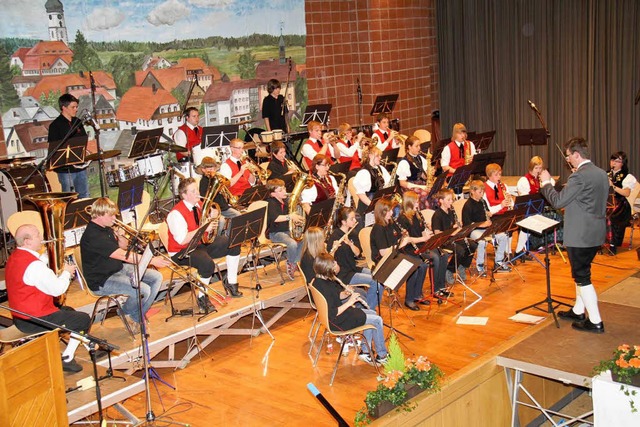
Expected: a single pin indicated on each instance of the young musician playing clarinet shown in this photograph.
(621, 183)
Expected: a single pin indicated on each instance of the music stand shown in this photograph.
(75, 215)
(145, 142)
(72, 152)
(437, 186)
(460, 178)
(425, 146)
(250, 195)
(531, 137)
(384, 104)
(342, 168)
(481, 160)
(533, 204)
(218, 136)
(383, 192)
(456, 238)
(389, 156)
(319, 113)
(499, 224)
(320, 214)
(289, 182)
(130, 193)
(437, 147)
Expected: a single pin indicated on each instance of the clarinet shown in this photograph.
(459, 224)
(404, 232)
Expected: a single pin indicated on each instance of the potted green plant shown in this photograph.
(404, 379)
(625, 369)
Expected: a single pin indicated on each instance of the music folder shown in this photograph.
(395, 268)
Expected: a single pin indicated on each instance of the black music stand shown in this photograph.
(343, 168)
(435, 242)
(218, 136)
(319, 113)
(499, 224)
(454, 239)
(387, 192)
(425, 146)
(145, 142)
(384, 104)
(253, 194)
(437, 186)
(529, 137)
(481, 160)
(390, 155)
(76, 217)
(483, 140)
(437, 147)
(460, 178)
(130, 193)
(71, 152)
(320, 214)
(533, 204)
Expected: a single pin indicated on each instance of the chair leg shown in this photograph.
(277, 260)
(315, 335)
(324, 337)
(123, 318)
(313, 325)
(335, 367)
(372, 352)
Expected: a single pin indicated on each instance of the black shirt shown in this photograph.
(473, 211)
(344, 256)
(306, 264)
(441, 220)
(96, 246)
(382, 237)
(219, 199)
(274, 210)
(272, 110)
(278, 170)
(350, 318)
(58, 130)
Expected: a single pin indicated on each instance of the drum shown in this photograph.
(151, 166)
(113, 178)
(123, 173)
(267, 137)
(13, 190)
(277, 134)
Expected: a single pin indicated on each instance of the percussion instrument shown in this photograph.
(13, 190)
(151, 166)
(123, 173)
(267, 137)
(171, 147)
(277, 134)
(102, 156)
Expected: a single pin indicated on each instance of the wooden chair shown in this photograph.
(314, 325)
(428, 215)
(365, 243)
(457, 206)
(352, 190)
(423, 135)
(111, 301)
(635, 211)
(276, 248)
(14, 337)
(323, 317)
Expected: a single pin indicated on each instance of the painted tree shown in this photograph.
(246, 65)
(85, 57)
(8, 95)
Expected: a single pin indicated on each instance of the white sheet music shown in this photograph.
(537, 223)
(395, 279)
(145, 259)
(369, 219)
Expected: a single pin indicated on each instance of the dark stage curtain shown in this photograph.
(577, 60)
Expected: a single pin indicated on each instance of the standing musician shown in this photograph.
(529, 184)
(317, 144)
(31, 286)
(385, 137)
(475, 209)
(237, 170)
(278, 164)
(584, 199)
(342, 314)
(345, 254)
(411, 220)
(208, 168)
(189, 135)
(183, 222)
(371, 178)
(278, 218)
(324, 185)
(108, 268)
(622, 183)
(445, 218)
(274, 112)
(349, 147)
(458, 152)
(412, 169)
(495, 194)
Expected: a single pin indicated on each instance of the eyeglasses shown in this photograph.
(239, 147)
(323, 164)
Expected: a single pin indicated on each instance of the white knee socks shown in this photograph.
(590, 299)
(578, 307)
(70, 351)
(233, 261)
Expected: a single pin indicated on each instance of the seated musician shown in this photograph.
(412, 169)
(371, 178)
(622, 183)
(345, 253)
(31, 287)
(237, 170)
(183, 222)
(383, 137)
(189, 135)
(208, 168)
(349, 146)
(317, 144)
(529, 184)
(495, 194)
(445, 218)
(475, 209)
(324, 185)
(278, 164)
(278, 218)
(108, 267)
(458, 152)
(411, 220)
(342, 313)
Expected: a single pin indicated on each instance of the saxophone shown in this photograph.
(392, 181)
(468, 157)
(295, 207)
(337, 204)
(215, 186)
(431, 170)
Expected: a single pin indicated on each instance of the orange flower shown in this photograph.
(422, 364)
(624, 347)
(636, 348)
(392, 379)
(635, 362)
(622, 363)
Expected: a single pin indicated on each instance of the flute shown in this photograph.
(341, 240)
(350, 292)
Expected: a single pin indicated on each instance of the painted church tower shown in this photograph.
(57, 27)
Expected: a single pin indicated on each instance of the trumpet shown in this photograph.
(261, 174)
(350, 292)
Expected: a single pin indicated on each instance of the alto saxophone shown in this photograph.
(337, 204)
(392, 180)
(468, 157)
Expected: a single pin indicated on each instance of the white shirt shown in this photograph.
(309, 195)
(178, 224)
(348, 151)
(404, 169)
(496, 208)
(524, 188)
(362, 180)
(225, 169)
(39, 274)
(309, 152)
(629, 182)
(445, 157)
(180, 138)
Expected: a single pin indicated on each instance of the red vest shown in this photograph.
(491, 197)
(457, 161)
(383, 139)
(355, 159)
(534, 184)
(193, 139)
(187, 214)
(316, 146)
(23, 297)
(243, 183)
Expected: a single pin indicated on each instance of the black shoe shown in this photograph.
(571, 315)
(442, 293)
(423, 301)
(613, 250)
(232, 289)
(71, 366)
(205, 305)
(588, 326)
(412, 306)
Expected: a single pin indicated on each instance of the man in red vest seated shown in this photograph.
(236, 171)
(31, 286)
(385, 137)
(495, 192)
(318, 144)
(189, 135)
(183, 222)
(453, 155)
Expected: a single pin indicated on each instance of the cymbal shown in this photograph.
(245, 122)
(105, 155)
(250, 145)
(171, 147)
(8, 161)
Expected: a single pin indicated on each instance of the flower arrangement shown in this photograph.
(624, 367)
(404, 379)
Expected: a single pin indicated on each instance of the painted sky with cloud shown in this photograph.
(155, 20)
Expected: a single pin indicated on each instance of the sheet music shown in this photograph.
(145, 259)
(537, 223)
(369, 219)
(395, 279)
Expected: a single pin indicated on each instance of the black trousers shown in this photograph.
(66, 316)
(580, 260)
(464, 254)
(202, 257)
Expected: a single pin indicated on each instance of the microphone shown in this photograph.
(532, 105)
(89, 120)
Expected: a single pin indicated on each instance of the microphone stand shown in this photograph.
(359, 91)
(544, 126)
(96, 128)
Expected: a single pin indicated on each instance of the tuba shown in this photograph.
(295, 207)
(216, 182)
(52, 207)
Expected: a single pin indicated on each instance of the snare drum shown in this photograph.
(13, 190)
(123, 173)
(277, 134)
(267, 137)
(151, 166)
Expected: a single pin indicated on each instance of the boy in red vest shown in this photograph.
(453, 155)
(236, 171)
(317, 144)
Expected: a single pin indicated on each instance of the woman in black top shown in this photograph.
(341, 311)
(621, 183)
(278, 164)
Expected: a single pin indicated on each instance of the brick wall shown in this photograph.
(389, 45)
